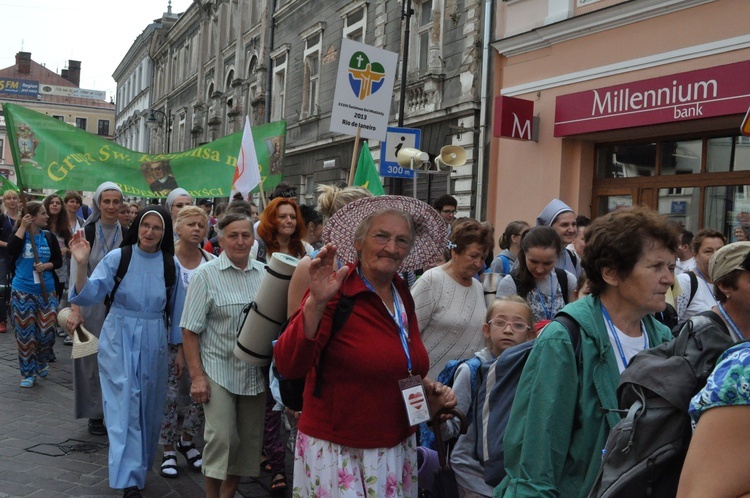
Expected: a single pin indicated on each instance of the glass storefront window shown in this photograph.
(679, 158)
(681, 205)
(728, 208)
(626, 161)
(609, 203)
(728, 154)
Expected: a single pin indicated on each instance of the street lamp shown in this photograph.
(167, 119)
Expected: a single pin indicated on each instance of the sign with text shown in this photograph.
(19, 87)
(73, 91)
(364, 90)
(705, 93)
(513, 118)
(395, 140)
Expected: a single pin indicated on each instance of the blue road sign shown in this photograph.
(395, 140)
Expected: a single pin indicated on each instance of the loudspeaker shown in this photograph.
(452, 156)
(406, 154)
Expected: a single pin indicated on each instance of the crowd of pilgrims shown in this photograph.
(424, 288)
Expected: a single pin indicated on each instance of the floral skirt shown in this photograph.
(323, 469)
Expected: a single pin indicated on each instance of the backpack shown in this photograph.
(693, 286)
(447, 376)
(292, 390)
(122, 268)
(89, 233)
(498, 383)
(645, 451)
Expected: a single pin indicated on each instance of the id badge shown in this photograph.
(37, 279)
(415, 399)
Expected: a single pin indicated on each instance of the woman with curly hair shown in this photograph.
(59, 225)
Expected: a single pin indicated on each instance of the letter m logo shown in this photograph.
(513, 118)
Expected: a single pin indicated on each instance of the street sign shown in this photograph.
(395, 140)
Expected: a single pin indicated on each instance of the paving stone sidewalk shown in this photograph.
(45, 452)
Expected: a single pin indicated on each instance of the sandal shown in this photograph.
(191, 454)
(279, 484)
(264, 465)
(132, 492)
(169, 465)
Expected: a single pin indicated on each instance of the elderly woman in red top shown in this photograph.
(356, 435)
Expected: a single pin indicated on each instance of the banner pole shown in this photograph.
(262, 194)
(353, 168)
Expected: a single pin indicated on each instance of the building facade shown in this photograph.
(637, 103)
(32, 85)
(278, 60)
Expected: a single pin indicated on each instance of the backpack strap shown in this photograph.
(573, 257)
(506, 264)
(573, 328)
(562, 279)
(693, 286)
(169, 281)
(340, 316)
(89, 232)
(126, 254)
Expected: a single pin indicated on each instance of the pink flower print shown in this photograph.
(303, 444)
(323, 492)
(406, 476)
(391, 485)
(345, 479)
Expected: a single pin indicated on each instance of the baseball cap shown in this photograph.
(205, 202)
(727, 259)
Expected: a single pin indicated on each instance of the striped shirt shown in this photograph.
(218, 291)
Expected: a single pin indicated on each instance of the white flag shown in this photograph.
(247, 174)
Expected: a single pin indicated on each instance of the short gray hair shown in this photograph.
(366, 224)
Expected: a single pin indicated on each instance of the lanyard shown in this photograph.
(548, 312)
(105, 248)
(396, 316)
(731, 323)
(613, 331)
(706, 283)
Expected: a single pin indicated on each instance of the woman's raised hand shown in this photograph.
(325, 280)
(26, 221)
(79, 247)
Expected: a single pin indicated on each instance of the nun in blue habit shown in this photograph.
(133, 352)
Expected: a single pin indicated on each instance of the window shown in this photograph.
(355, 21)
(307, 189)
(81, 123)
(103, 128)
(278, 94)
(311, 81)
(424, 29)
(61, 118)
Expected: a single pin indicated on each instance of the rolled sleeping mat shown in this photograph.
(262, 319)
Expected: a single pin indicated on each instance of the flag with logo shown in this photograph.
(247, 174)
(367, 174)
(51, 154)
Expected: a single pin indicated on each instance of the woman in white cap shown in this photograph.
(716, 465)
(133, 354)
(104, 234)
(176, 200)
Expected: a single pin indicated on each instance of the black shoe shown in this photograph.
(132, 492)
(96, 428)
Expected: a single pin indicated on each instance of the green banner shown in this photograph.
(50, 154)
(6, 185)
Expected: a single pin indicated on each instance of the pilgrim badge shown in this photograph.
(415, 399)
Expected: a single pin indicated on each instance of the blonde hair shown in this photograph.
(332, 198)
(497, 303)
(189, 212)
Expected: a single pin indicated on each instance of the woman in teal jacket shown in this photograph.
(557, 428)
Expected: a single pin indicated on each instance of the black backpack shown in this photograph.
(291, 390)
(645, 451)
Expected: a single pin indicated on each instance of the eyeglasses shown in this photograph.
(383, 239)
(448, 211)
(146, 227)
(516, 326)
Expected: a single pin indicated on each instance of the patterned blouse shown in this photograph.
(729, 383)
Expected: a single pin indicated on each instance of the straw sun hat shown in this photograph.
(84, 342)
(430, 238)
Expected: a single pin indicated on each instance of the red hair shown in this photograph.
(268, 228)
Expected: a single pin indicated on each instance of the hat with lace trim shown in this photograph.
(431, 232)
